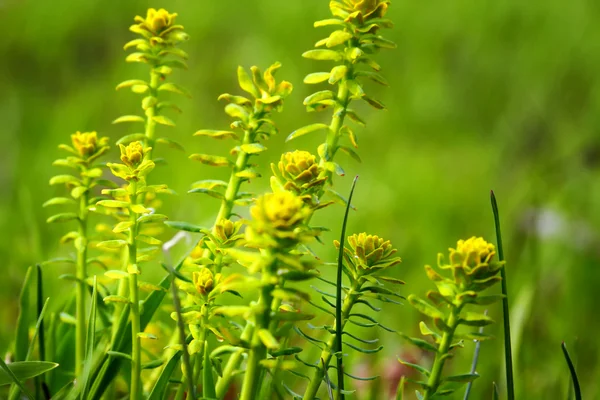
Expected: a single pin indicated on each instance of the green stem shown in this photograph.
(337, 121)
(136, 354)
(441, 356)
(328, 351)
(262, 320)
(151, 113)
(80, 294)
(233, 363)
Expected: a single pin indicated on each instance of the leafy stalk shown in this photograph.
(85, 150)
(505, 308)
(473, 269)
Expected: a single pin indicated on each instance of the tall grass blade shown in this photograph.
(40, 381)
(400, 389)
(181, 328)
(108, 370)
(507, 344)
(495, 394)
(576, 386)
(90, 342)
(24, 370)
(22, 333)
(15, 380)
(208, 381)
(160, 387)
(338, 301)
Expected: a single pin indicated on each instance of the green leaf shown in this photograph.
(316, 77)
(123, 226)
(253, 148)
(306, 130)
(246, 82)
(111, 244)
(216, 134)
(319, 96)
(215, 161)
(211, 193)
(476, 319)
(416, 367)
(161, 119)
(185, 226)
(350, 152)
(236, 111)
(134, 137)
(23, 320)
(171, 143)
(338, 37)
(268, 339)
(574, 378)
(56, 201)
(24, 370)
(90, 342)
(463, 378)
(130, 83)
(173, 88)
(116, 274)
(374, 103)
(149, 218)
(129, 118)
(208, 383)
(424, 307)
(329, 55)
(59, 179)
(64, 217)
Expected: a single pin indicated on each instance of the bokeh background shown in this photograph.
(501, 95)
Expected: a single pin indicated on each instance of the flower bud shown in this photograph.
(371, 251)
(85, 143)
(156, 21)
(133, 154)
(300, 172)
(203, 281)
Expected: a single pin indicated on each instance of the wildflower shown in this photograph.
(371, 251)
(133, 154)
(156, 21)
(203, 281)
(298, 172)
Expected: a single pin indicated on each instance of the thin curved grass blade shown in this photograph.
(338, 300)
(576, 386)
(510, 387)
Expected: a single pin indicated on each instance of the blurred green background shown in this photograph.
(501, 95)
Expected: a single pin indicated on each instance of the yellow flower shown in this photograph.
(472, 252)
(226, 229)
(133, 154)
(85, 143)
(300, 171)
(156, 21)
(282, 211)
(371, 251)
(366, 8)
(203, 281)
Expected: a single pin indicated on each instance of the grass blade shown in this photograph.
(208, 381)
(90, 342)
(507, 344)
(108, 370)
(22, 333)
(23, 370)
(576, 386)
(475, 360)
(181, 327)
(338, 301)
(40, 381)
(160, 387)
(400, 389)
(15, 380)
(495, 394)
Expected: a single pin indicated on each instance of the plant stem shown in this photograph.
(505, 309)
(329, 350)
(262, 319)
(435, 377)
(151, 113)
(136, 355)
(80, 294)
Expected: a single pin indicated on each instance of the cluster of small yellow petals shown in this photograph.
(132, 154)
(156, 21)
(85, 143)
(203, 281)
(300, 171)
(371, 250)
(474, 251)
(281, 210)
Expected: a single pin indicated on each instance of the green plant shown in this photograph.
(474, 270)
(239, 297)
(83, 157)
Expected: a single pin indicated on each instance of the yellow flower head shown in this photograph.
(156, 21)
(203, 281)
(472, 252)
(132, 154)
(86, 143)
(371, 251)
(226, 229)
(300, 172)
(281, 211)
(366, 8)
